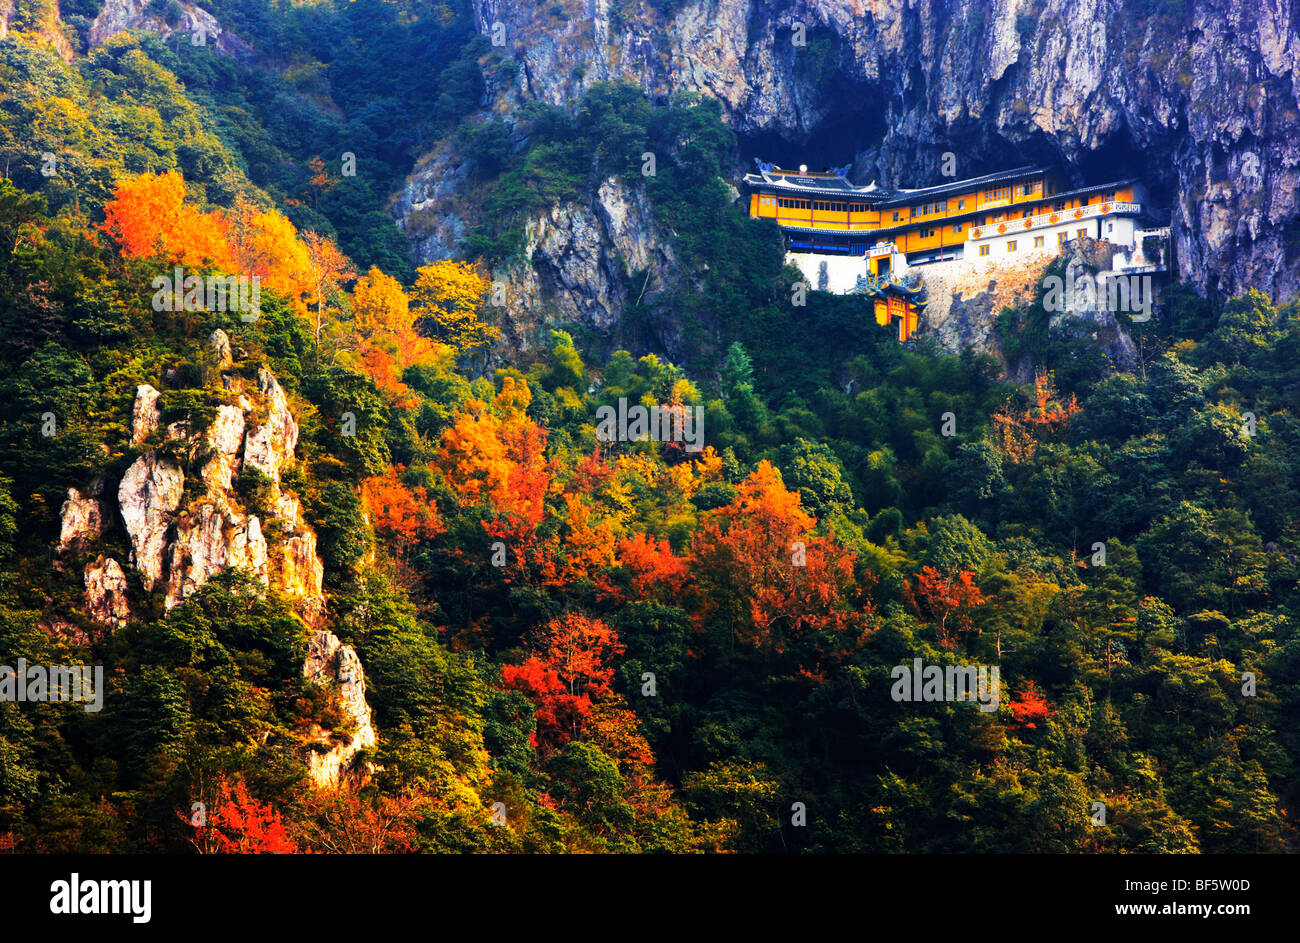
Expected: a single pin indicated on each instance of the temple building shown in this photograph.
(875, 241)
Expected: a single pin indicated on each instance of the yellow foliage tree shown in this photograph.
(447, 299)
(330, 268)
(380, 308)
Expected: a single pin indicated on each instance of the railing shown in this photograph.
(1057, 218)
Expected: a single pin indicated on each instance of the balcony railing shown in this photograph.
(1010, 227)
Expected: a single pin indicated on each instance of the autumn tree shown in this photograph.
(149, 218)
(447, 298)
(399, 512)
(320, 181)
(495, 454)
(657, 573)
(329, 269)
(947, 601)
(266, 245)
(236, 823)
(570, 669)
(763, 570)
(1029, 707)
(580, 649)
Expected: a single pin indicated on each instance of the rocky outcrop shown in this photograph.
(181, 542)
(182, 547)
(106, 592)
(82, 518)
(1202, 99)
(965, 297)
(224, 438)
(198, 25)
(1092, 310)
(581, 262)
(270, 443)
(330, 663)
(209, 540)
(145, 415)
(220, 342)
(150, 492)
(432, 206)
(300, 573)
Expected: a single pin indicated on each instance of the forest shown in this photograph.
(576, 645)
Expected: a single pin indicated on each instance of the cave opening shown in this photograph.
(833, 143)
(850, 113)
(1119, 157)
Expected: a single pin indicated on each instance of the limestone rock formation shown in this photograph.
(300, 572)
(208, 541)
(224, 436)
(150, 491)
(335, 665)
(200, 26)
(82, 517)
(106, 592)
(145, 414)
(269, 446)
(576, 261)
(183, 547)
(220, 342)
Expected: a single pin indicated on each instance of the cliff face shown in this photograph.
(580, 262)
(331, 757)
(1199, 97)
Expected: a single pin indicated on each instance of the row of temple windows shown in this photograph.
(1061, 239)
(928, 209)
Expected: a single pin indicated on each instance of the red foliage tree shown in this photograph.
(237, 824)
(947, 601)
(1030, 708)
(568, 672)
(560, 715)
(657, 573)
(760, 566)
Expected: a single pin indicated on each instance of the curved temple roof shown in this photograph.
(771, 177)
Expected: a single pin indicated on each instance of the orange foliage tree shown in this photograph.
(328, 269)
(341, 822)
(657, 573)
(569, 669)
(760, 567)
(149, 218)
(385, 329)
(398, 511)
(948, 601)
(497, 455)
(1019, 435)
